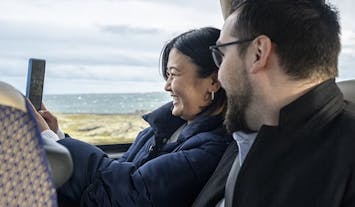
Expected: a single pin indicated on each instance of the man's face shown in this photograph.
(234, 78)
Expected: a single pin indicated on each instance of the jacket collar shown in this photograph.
(314, 108)
(165, 124)
(201, 123)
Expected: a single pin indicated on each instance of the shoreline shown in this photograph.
(100, 129)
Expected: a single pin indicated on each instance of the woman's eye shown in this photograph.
(170, 74)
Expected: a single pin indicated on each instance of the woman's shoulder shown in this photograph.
(218, 134)
(215, 137)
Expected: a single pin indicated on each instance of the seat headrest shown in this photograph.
(9, 96)
(58, 156)
(348, 89)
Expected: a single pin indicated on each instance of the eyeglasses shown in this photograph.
(218, 55)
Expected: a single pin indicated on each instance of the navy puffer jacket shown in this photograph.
(152, 172)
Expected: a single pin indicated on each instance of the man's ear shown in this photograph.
(262, 49)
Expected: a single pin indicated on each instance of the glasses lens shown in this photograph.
(217, 57)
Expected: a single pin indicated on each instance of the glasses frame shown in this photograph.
(215, 49)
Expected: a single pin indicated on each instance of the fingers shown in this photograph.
(47, 114)
(51, 120)
(43, 107)
(42, 124)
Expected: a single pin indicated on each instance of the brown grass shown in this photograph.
(102, 129)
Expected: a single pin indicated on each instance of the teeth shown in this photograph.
(175, 99)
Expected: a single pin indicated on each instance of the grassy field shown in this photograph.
(102, 129)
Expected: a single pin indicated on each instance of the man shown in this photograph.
(294, 131)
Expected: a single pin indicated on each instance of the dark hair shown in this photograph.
(195, 44)
(305, 32)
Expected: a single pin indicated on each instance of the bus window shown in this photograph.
(102, 58)
(102, 63)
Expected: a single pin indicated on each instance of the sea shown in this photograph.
(121, 103)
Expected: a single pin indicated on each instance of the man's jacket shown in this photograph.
(306, 161)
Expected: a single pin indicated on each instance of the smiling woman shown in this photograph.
(185, 137)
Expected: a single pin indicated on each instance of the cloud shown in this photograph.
(111, 45)
(348, 40)
(128, 30)
(111, 73)
(99, 86)
(196, 5)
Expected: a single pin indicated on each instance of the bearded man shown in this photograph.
(294, 132)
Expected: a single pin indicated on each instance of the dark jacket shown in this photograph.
(151, 173)
(308, 160)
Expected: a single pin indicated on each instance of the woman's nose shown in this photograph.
(167, 86)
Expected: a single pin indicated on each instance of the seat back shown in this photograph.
(25, 174)
(348, 89)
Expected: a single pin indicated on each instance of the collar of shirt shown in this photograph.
(244, 141)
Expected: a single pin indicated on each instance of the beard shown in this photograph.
(238, 100)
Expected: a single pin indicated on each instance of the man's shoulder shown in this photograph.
(349, 109)
(346, 118)
(342, 127)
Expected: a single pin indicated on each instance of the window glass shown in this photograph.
(102, 56)
(347, 55)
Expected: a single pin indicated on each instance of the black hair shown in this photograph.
(195, 44)
(305, 32)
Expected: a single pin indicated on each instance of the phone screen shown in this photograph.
(35, 79)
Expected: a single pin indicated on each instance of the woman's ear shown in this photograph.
(215, 84)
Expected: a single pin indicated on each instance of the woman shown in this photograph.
(170, 161)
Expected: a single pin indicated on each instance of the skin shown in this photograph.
(45, 119)
(189, 92)
(257, 77)
(50, 119)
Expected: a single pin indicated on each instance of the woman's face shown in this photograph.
(189, 92)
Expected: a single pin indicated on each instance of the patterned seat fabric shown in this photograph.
(25, 178)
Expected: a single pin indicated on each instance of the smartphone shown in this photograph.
(35, 79)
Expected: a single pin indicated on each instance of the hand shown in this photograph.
(51, 120)
(42, 124)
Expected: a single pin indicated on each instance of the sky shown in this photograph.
(112, 46)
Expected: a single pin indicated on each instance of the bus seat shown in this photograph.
(348, 89)
(25, 175)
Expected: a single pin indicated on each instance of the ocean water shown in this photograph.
(126, 103)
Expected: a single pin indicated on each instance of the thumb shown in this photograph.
(43, 107)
